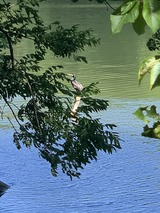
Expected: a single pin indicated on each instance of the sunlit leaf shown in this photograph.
(140, 115)
(151, 66)
(155, 75)
(148, 115)
(126, 13)
(151, 14)
(143, 112)
(152, 113)
(156, 130)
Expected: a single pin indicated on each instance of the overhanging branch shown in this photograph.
(10, 45)
(109, 5)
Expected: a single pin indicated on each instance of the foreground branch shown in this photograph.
(10, 46)
(108, 4)
(11, 110)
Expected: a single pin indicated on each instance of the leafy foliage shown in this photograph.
(154, 42)
(151, 66)
(44, 119)
(147, 115)
(139, 13)
(142, 13)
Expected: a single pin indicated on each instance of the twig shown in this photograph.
(11, 123)
(108, 4)
(11, 111)
(35, 109)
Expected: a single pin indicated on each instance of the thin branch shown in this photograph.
(109, 5)
(35, 108)
(11, 123)
(10, 45)
(11, 110)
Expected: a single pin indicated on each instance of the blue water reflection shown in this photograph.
(127, 181)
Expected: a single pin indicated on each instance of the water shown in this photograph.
(128, 180)
(114, 63)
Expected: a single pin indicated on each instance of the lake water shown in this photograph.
(127, 181)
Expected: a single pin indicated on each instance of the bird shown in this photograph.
(76, 85)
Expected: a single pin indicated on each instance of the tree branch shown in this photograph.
(108, 4)
(10, 45)
(11, 110)
(35, 108)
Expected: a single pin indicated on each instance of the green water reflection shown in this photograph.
(114, 63)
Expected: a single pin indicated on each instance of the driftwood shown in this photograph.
(3, 188)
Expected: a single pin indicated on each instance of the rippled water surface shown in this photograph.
(127, 181)
(114, 63)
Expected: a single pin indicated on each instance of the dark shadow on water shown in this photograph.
(3, 188)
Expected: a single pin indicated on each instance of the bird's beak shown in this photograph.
(69, 74)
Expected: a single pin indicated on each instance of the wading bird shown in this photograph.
(76, 85)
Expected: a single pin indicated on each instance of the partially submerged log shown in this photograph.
(3, 188)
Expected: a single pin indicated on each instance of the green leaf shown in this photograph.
(143, 112)
(127, 12)
(155, 75)
(151, 14)
(152, 132)
(156, 130)
(149, 66)
(152, 111)
(140, 115)
(148, 132)
(139, 24)
(145, 67)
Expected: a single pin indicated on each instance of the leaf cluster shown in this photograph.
(154, 42)
(140, 13)
(64, 42)
(150, 66)
(44, 119)
(148, 115)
